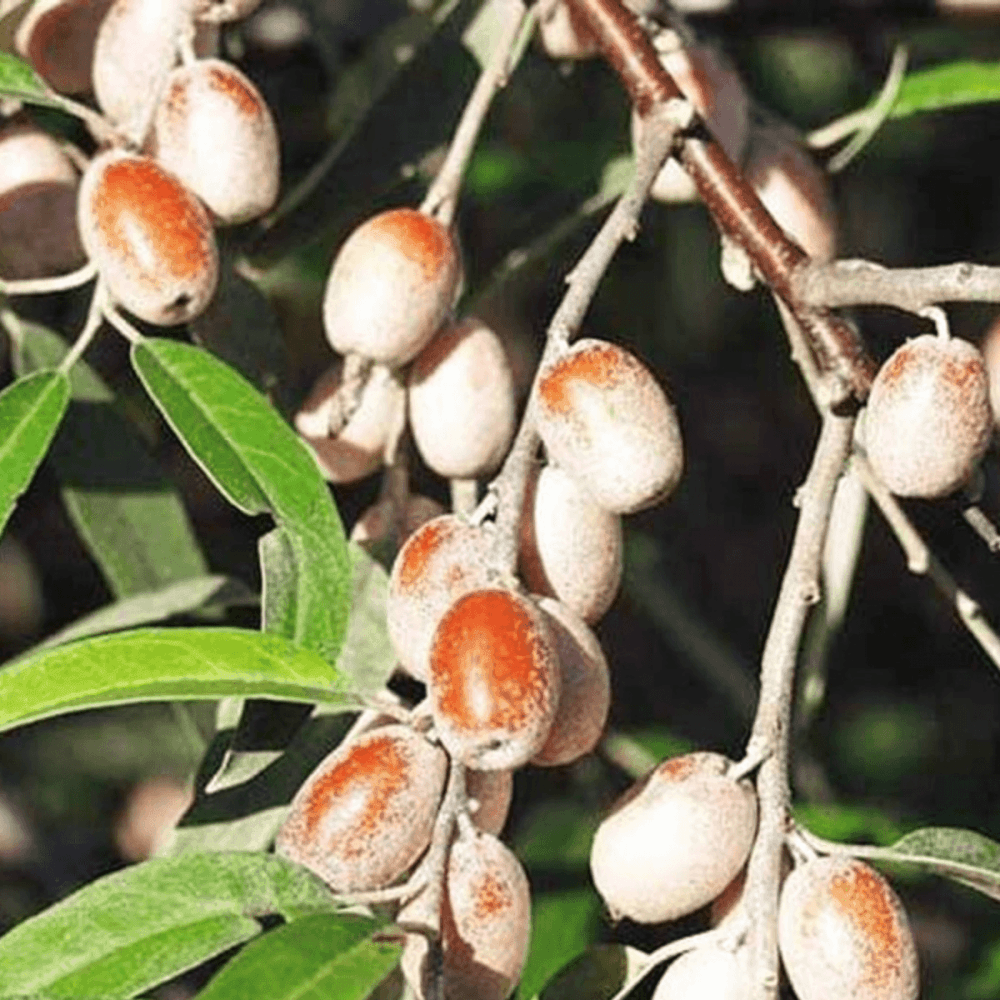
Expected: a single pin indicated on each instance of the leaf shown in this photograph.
(130, 930)
(19, 80)
(30, 411)
(321, 957)
(597, 974)
(952, 85)
(963, 855)
(261, 465)
(175, 599)
(562, 927)
(161, 665)
(130, 516)
(557, 837)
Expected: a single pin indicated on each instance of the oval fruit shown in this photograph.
(562, 34)
(150, 238)
(843, 932)
(214, 131)
(461, 401)
(360, 447)
(584, 690)
(439, 563)
(485, 923)
(928, 420)
(711, 972)
(392, 285)
(605, 421)
(570, 547)
(492, 790)
(494, 679)
(366, 813)
(642, 873)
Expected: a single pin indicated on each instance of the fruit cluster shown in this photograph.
(192, 146)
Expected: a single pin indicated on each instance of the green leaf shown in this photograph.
(128, 931)
(952, 85)
(30, 411)
(367, 658)
(563, 925)
(196, 594)
(262, 466)
(557, 837)
(599, 973)
(321, 957)
(18, 79)
(963, 855)
(130, 516)
(161, 665)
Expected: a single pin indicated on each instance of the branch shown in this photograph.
(800, 588)
(859, 282)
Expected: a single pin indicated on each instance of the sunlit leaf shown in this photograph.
(563, 925)
(19, 80)
(963, 855)
(952, 85)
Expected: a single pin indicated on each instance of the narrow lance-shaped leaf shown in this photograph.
(963, 855)
(30, 411)
(952, 85)
(322, 957)
(126, 932)
(163, 665)
(18, 79)
(262, 466)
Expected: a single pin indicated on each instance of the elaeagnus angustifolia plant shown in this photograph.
(521, 665)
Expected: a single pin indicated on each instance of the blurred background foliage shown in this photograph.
(907, 730)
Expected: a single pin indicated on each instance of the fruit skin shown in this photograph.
(359, 449)
(604, 419)
(38, 193)
(214, 131)
(150, 238)
(643, 873)
(844, 935)
(461, 400)
(928, 420)
(494, 679)
(391, 286)
(562, 35)
(485, 923)
(439, 563)
(585, 688)
(570, 547)
(709, 972)
(366, 813)
(493, 791)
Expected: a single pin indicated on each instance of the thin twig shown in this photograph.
(346, 400)
(95, 316)
(57, 283)
(799, 591)
(442, 197)
(668, 951)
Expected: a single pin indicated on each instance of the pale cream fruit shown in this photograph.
(223, 11)
(843, 933)
(359, 449)
(461, 401)
(707, 79)
(604, 419)
(485, 924)
(562, 33)
(440, 562)
(928, 420)
(570, 547)
(585, 688)
(644, 873)
(376, 522)
(136, 49)
(151, 239)
(707, 973)
(57, 37)
(38, 191)
(214, 131)
(366, 813)
(494, 679)
(794, 189)
(392, 284)
(492, 791)
(990, 349)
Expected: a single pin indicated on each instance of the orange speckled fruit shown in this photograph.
(928, 420)
(494, 679)
(214, 131)
(441, 561)
(606, 422)
(485, 923)
(392, 284)
(366, 813)
(150, 238)
(843, 933)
